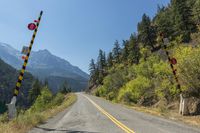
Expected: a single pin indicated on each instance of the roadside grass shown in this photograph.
(169, 114)
(28, 119)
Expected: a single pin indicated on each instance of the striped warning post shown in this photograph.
(21, 75)
(171, 65)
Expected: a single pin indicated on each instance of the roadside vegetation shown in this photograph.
(138, 72)
(45, 105)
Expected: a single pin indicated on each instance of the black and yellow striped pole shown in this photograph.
(170, 61)
(11, 106)
(182, 99)
(20, 78)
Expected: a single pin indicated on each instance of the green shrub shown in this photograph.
(112, 83)
(189, 68)
(4, 117)
(164, 83)
(166, 90)
(135, 89)
(58, 99)
(110, 96)
(101, 91)
(115, 80)
(43, 101)
(160, 75)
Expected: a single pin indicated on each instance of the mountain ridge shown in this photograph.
(43, 64)
(43, 52)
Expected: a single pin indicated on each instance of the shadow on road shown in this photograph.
(63, 130)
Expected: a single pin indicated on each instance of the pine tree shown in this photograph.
(125, 51)
(196, 12)
(147, 32)
(101, 60)
(184, 25)
(116, 52)
(110, 59)
(101, 64)
(93, 73)
(133, 50)
(92, 67)
(65, 88)
(35, 91)
(164, 22)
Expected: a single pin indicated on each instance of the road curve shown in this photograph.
(95, 115)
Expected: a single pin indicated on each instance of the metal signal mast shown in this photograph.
(26, 50)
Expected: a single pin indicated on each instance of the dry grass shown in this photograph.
(25, 121)
(168, 114)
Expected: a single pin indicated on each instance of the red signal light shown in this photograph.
(173, 61)
(32, 26)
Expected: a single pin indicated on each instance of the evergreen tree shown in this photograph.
(133, 50)
(116, 52)
(147, 32)
(35, 91)
(164, 22)
(101, 60)
(184, 25)
(65, 88)
(93, 73)
(101, 64)
(196, 12)
(125, 51)
(92, 67)
(110, 59)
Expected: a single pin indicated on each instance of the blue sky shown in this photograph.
(73, 29)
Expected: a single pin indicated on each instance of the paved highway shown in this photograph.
(95, 115)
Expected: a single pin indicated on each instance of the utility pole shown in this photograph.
(11, 106)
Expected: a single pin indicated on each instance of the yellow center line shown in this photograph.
(114, 120)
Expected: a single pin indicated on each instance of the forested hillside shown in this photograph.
(137, 71)
(8, 78)
(30, 90)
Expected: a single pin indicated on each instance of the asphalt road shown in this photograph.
(95, 115)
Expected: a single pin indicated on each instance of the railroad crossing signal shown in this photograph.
(172, 61)
(20, 78)
(27, 51)
(32, 26)
(23, 57)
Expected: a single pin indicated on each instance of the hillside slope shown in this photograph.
(156, 65)
(8, 78)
